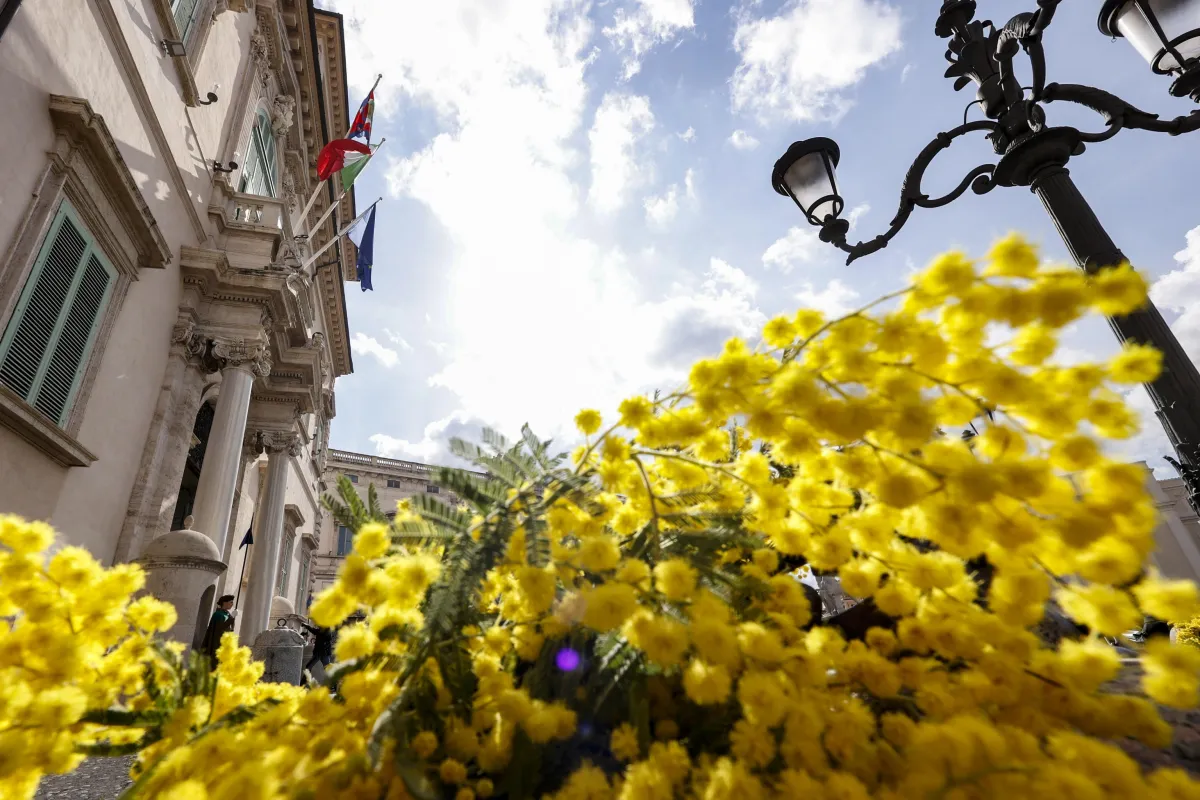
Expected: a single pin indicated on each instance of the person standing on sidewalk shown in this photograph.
(220, 624)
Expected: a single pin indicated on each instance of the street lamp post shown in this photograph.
(1035, 155)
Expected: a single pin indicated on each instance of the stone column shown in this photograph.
(240, 362)
(281, 447)
(168, 439)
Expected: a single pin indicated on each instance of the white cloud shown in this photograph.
(799, 245)
(621, 121)
(742, 140)
(836, 299)
(695, 323)
(802, 244)
(434, 445)
(857, 213)
(643, 24)
(1179, 290)
(504, 81)
(662, 209)
(798, 64)
(396, 338)
(687, 135)
(904, 73)
(367, 345)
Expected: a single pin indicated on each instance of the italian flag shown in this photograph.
(345, 156)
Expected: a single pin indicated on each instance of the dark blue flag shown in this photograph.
(248, 538)
(366, 253)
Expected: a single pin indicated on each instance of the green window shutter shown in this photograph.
(184, 12)
(285, 564)
(259, 175)
(54, 327)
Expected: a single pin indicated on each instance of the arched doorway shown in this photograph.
(195, 459)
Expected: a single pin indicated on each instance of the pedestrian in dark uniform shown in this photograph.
(220, 624)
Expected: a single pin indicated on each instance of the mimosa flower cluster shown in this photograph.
(628, 622)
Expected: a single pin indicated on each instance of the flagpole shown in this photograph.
(312, 201)
(241, 578)
(338, 236)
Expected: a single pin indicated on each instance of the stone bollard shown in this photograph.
(282, 652)
(181, 568)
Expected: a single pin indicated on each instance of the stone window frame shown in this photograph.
(304, 576)
(85, 167)
(256, 95)
(293, 520)
(283, 575)
(348, 540)
(203, 17)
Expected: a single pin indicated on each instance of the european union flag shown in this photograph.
(366, 253)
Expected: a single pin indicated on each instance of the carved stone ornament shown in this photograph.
(240, 5)
(301, 288)
(239, 352)
(282, 114)
(261, 55)
(191, 341)
(289, 190)
(277, 442)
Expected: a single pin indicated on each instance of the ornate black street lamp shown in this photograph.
(1035, 155)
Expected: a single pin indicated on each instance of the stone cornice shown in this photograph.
(86, 131)
(217, 280)
(331, 280)
(293, 517)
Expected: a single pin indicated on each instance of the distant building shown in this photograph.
(1177, 540)
(394, 480)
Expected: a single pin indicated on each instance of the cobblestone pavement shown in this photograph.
(95, 779)
(1184, 751)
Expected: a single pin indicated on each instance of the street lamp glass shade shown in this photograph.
(1163, 31)
(807, 174)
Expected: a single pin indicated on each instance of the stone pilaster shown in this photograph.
(168, 439)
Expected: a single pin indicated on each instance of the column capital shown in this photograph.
(275, 442)
(242, 353)
(192, 342)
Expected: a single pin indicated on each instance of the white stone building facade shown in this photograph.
(163, 355)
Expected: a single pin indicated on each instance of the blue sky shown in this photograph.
(578, 202)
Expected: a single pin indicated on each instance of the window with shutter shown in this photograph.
(184, 12)
(47, 342)
(261, 169)
(285, 564)
(302, 583)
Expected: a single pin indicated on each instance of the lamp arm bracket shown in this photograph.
(911, 194)
(1118, 113)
